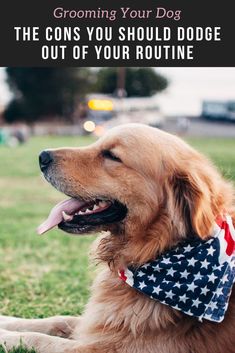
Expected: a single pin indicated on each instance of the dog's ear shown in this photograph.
(195, 201)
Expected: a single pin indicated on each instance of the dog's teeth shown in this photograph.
(66, 217)
(90, 209)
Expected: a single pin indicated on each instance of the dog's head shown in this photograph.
(147, 187)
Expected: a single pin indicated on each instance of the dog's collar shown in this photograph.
(195, 278)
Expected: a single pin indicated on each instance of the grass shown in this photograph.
(20, 349)
(48, 275)
(221, 151)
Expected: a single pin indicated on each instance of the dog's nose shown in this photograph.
(45, 159)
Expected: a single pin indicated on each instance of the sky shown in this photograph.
(187, 89)
(190, 86)
(4, 91)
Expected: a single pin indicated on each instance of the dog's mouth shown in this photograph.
(78, 217)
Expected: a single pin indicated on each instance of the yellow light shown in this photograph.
(100, 104)
(89, 126)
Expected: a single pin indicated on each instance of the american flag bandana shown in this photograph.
(196, 277)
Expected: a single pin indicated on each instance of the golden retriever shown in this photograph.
(146, 190)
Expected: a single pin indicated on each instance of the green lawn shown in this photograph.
(47, 275)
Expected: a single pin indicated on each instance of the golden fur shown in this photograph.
(171, 191)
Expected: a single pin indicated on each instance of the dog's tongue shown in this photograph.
(55, 217)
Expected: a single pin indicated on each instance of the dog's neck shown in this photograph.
(142, 315)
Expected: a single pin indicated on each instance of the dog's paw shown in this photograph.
(4, 337)
(3, 348)
(63, 326)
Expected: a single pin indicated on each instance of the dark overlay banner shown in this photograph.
(117, 33)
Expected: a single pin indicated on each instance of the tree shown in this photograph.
(45, 92)
(139, 82)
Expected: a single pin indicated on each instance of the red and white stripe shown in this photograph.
(225, 232)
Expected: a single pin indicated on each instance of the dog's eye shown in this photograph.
(110, 155)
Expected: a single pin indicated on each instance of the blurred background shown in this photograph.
(53, 107)
(79, 101)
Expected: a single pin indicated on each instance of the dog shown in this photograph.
(145, 191)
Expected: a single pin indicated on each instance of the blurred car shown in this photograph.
(218, 110)
(99, 109)
(106, 112)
